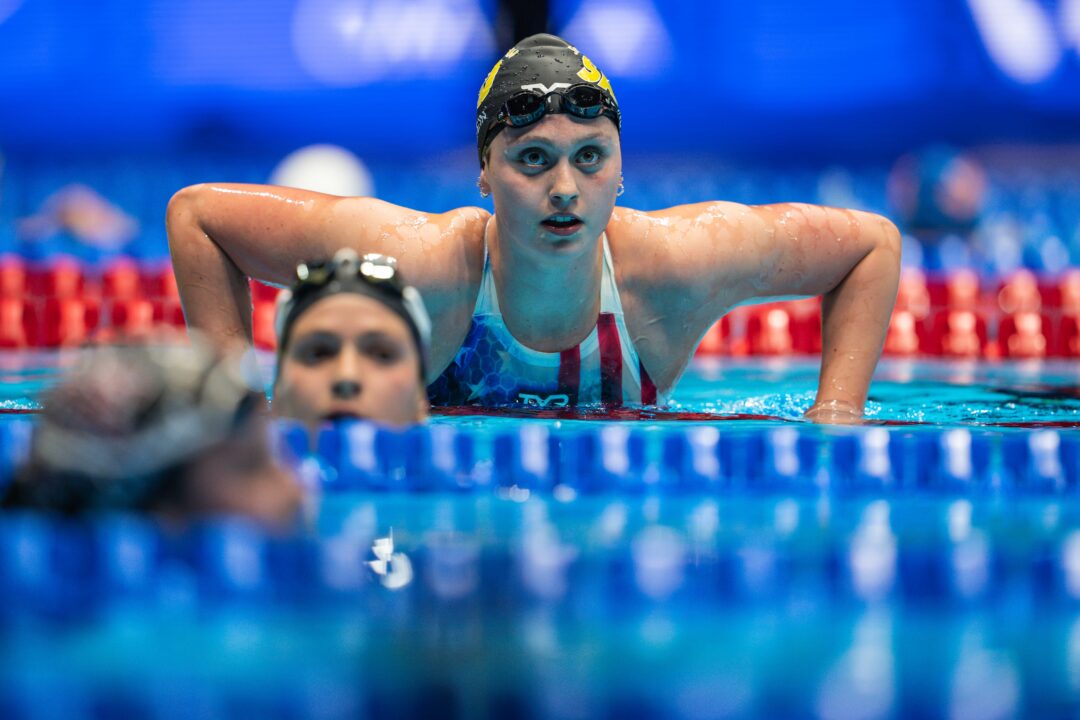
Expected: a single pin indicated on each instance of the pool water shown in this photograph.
(850, 596)
(939, 393)
(757, 392)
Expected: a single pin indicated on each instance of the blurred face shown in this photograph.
(241, 477)
(349, 356)
(554, 182)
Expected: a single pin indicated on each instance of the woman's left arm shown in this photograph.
(735, 254)
(855, 314)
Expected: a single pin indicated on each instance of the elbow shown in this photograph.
(181, 213)
(886, 250)
(884, 240)
(183, 202)
(889, 238)
(890, 245)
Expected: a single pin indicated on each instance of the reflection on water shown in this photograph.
(757, 390)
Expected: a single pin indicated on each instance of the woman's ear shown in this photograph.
(482, 182)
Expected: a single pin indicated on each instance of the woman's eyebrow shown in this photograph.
(544, 140)
(318, 335)
(378, 336)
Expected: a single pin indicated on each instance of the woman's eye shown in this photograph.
(383, 353)
(589, 156)
(316, 352)
(533, 157)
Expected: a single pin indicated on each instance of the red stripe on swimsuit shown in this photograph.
(570, 373)
(610, 360)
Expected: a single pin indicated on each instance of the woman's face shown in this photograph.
(554, 183)
(349, 356)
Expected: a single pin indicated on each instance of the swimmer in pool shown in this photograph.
(351, 343)
(560, 297)
(171, 431)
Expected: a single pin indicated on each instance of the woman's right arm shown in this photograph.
(222, 234)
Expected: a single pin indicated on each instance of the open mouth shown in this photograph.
(340, 415)
(562, 224)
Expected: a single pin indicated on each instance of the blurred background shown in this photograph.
(927, 566)
(758, 102)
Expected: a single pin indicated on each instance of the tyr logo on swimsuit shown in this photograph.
(557, 400)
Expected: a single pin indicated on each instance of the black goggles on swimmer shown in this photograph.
(529, 106)
(372, 275)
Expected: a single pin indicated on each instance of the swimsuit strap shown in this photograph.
(609, 289)
(487, 303)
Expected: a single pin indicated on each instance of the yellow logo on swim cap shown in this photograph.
(590, 73)
(490, 79)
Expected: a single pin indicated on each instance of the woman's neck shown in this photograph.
(549, 302)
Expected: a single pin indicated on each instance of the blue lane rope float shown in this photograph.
(617, 459)
(696, 459)
(906, 552)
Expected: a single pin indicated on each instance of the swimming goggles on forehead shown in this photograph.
(380, 271)
(582, 101)
(374, 271)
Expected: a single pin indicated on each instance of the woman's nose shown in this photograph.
(346, 380)
(345, 389)
(564, 188)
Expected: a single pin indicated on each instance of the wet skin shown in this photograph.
(678, 270)
(350, 356)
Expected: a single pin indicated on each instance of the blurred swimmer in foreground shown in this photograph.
(351, 343)
(559, 298)
(172, 431)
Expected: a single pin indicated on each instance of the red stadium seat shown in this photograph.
(957, 291)
(13, 282)
(1021, 335)
(67, 321)
(159, 283)
(902, 339)
(1068, 336)
(1069, 292)
(768, 331)
(168, 311)
(805, 324)
(121, 280)
(714, 340)
(1062, 292)
(60, 278)
(913, 295)
(132, 317)
(957, 334)
(13, 324)
(1019, 293)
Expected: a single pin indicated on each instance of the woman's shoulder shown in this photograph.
(633, 234)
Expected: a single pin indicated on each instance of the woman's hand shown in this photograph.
(834, 412)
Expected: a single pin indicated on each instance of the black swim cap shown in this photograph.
(372, 275)
(542, 63)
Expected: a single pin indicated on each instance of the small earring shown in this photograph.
(622, 188)
(483, 193)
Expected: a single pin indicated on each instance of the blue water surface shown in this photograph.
(751, 392)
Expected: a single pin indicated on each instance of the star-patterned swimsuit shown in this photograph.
(493, 369)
